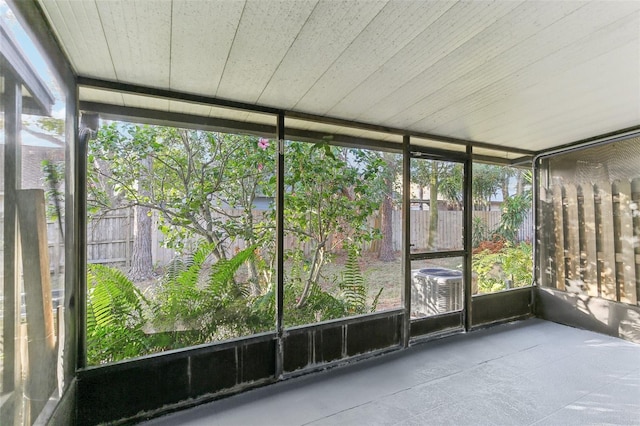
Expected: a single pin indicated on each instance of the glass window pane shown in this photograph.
(436, 206)
(502, 232)
(2, 245)
(590, 221)
(180, 239)
(342, 232)
(36, 251)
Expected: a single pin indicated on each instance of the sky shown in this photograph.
(11, 24)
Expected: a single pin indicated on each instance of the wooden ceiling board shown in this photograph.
(598, 93)
(330, 129)
(202, 33)
(89, 94)
(139, 36)
(459, 25)
(146, 102)
(429, 143)
(572, 40)
(189, 108)
(265, 33)
(397, 24)
(602, 108)
(89, 53)
(327, 33)
(538, 89)
(495, 153)
(462, 62)
(529, 74)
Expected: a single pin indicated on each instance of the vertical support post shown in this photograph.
(537, 205)
(41, 375)
(88, 127)
(406, 238)
(280, 247)
(12, 176)
(72, 249)
(468, 238)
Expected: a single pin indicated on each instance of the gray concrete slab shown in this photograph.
(524, 373)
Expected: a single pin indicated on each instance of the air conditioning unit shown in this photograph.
(436, 291)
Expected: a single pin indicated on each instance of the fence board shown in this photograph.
(558, 232)
(572, 241)
(547, 269)
(110, 237)
(635, 197)
(625, 255)
(587, 228)
(605, 242)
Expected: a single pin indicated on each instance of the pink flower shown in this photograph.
(260, 167)
(263, 143)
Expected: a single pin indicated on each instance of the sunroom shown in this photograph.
(203, 198)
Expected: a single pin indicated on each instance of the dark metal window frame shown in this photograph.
(282, 133)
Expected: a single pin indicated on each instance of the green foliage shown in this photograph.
(52, 125)
(514, 212)
(53, 173)
(352, 285)
(487, 180)
(115, 316)
(208, 303)
(331, 193)
(513, 263)
(195, 177)
(203, 186)
(480, 231)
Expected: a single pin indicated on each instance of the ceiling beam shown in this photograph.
(13, 60)
(174, 119)
(626, 133)
(211, 101)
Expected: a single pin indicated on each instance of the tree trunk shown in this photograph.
(314, 274)
(433, 209)
(520, 180)
(505, 188)
(141, 258)
(386, 227)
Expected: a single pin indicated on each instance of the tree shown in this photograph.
(432, 174)
(328, 194)
(389, 173)
(487, 180)
(141, 255)
(201, 184)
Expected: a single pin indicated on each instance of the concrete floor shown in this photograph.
(525, 373)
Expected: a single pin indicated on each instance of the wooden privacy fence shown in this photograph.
(110, 237)
(590, 239)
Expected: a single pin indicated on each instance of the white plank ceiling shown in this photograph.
(525, 74)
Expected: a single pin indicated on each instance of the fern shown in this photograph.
(111, 296)
(353, 286)
(207, 305)
(223, 272)
(179, 297)
(115, 316)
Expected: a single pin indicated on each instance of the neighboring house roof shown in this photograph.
(37, 146)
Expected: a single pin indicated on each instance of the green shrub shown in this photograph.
(512, 263)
